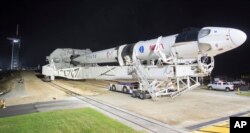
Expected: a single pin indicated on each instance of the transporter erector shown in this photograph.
(167, 65)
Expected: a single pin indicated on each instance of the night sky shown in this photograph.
(45, 26)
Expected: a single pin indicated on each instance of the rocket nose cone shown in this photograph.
(238, 37)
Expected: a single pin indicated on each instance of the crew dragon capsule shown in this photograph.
(209, 41)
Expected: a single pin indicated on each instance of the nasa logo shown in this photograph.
(141, 49)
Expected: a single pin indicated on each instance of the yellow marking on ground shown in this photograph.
(222, 127)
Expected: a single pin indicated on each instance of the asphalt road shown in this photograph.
(70, 103)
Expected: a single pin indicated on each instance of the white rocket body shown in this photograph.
(187, 45)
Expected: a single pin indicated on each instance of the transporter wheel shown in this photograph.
(113, 88)
(210, 87)
(134, 94)
(227, 89)
(125, 89)
(142, 95)
(46, 79)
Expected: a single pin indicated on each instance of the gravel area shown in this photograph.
(31, 89)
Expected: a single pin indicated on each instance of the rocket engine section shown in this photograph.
(62, 58)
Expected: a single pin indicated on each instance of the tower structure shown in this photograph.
(16, 44)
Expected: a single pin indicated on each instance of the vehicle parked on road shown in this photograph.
(125, 87)
(226, 86)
